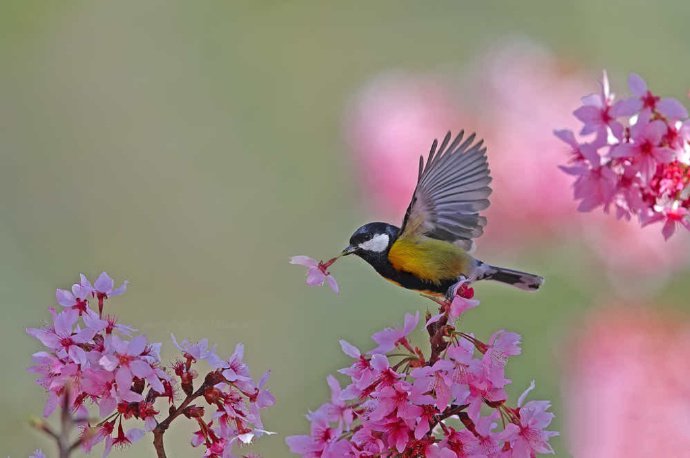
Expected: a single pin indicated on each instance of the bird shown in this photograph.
(430, 252)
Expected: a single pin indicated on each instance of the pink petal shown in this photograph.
(349, 349)
(119, 345)
(422, 428)
(304, 261)
(84, 336)
(150, 423)
(588, 114)
(129, 395)
(64, 298)
(48, 339)
(108, 446)
(623, 150)
(655, 130)
(120, 290)
(77, 355)
(140, 369)
(137, 345)
(104, 283)
(605, 88)
(568, 137)
(593, 101)
(106, 406)
(123, 377)
(332, 283)
(134, 434)
(108, 362)
(664, 154)
(238, 353)
(65, 321)
(155, 383)
(591, 153)
(84, 282)
(433, 319)
(315, 277)
(524, 394)
(637, 85)
(411, 322)
(626, 107)
(379, 362)
(51, 404)
(668, 229)
(672, 109)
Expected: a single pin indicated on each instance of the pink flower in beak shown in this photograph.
(317, 271)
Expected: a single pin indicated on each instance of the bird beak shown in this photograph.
(349, 250)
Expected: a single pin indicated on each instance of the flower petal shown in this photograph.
(304, 261)
(637, 85)
(332, 283)
(104, 283)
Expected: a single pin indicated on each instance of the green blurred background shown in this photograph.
(192, 147)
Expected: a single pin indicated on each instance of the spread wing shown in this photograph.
(452, 188)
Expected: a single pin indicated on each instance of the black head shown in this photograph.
(372, 240)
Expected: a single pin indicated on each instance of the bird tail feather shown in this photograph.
(522, 280)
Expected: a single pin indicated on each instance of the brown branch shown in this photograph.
(437, 333)
(160, 429)
(62, 439)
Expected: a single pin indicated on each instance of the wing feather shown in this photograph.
(452, 188)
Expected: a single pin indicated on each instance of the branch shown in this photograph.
(437, 332)
(160, 429)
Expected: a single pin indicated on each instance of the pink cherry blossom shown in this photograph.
(647, 102)
(529, 437)
(127, 360)
(598, 113)
(63, 338)
(317, 273)
(626, 386)
(642, 171)
(645, 147)
(89, 359)
(105, 286)
(501, 346)
(78, 296)
(389, 338)
(397, 404)
(200, 351)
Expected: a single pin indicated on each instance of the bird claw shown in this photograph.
(452, 290)
(433, 298)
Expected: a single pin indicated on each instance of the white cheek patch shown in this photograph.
(378, 244)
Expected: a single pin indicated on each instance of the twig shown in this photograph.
(160, 429)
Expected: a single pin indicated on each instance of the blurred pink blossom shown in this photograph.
(391, 121)
(628, 387)
(524, 90)
(636, 260)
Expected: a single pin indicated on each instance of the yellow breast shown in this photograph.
(429, 259)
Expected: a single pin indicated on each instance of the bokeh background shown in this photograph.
(192, 147)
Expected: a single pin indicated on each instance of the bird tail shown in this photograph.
(522, 280)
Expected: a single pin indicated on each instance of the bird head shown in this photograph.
(371, 240)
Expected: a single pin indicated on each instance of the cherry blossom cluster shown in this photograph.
(93, 364)
(633, 156)
(401, 402)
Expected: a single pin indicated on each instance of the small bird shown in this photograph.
(430, 252)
